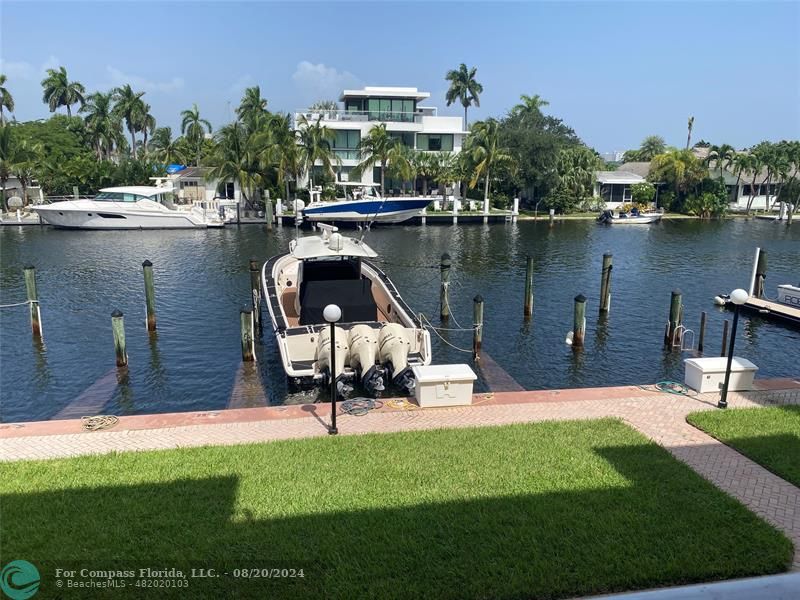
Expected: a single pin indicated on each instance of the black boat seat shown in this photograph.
(353, 296)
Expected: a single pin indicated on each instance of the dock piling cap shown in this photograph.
(117, 313)
(580, 298)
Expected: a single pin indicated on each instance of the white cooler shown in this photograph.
(708, 374)
(443, 385)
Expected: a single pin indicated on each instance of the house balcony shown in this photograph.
(359, 116)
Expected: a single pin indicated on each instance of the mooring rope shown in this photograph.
(430, 326)
(99, 422)
(18, 304)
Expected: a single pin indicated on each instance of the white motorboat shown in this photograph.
(130, 207)
(378, 339)
(362, 203)
(634, 218)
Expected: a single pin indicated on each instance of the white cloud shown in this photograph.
(240, 84)
(143, 84)
(321, 82)
(26, 71)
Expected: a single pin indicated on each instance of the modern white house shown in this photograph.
(406, 116)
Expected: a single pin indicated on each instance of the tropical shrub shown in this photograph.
(643, 193)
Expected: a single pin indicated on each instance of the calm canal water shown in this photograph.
(202, 280)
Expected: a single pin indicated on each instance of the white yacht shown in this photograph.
(130, 207)
(377, 341)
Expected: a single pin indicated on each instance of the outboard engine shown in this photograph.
(393, 349)
(323, 356)
(605, 216)
(363, 352)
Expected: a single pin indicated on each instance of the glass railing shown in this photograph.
(360, 115)
(346, 154)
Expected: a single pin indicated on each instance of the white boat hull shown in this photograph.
(388, 210)
(89, 214)
(640, 220)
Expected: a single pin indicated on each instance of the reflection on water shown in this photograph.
(202, 279)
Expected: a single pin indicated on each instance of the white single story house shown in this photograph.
(614, 187)
(190, 185)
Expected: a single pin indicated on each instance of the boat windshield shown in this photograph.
(123, 197)
(360, 193)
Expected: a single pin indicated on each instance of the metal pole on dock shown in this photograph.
(255, 293)
(605, 283)
(702, 337)
(29, 274)
(579, 321)
(248, 334)
(444, 293)
(76, 193)
(477, 326)
(724, 337)
(118, 329)
(149, 295)
(528, 311)
(552, 216)
(675, 308)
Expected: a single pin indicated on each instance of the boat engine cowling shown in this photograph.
(363, 343)
(393, 353)
(323, 355)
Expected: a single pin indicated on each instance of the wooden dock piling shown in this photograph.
(248, 334)
(149, 295)
(702, 337)
(605, 283)
(118, 329)
(724, 350)
(675, 312)
(528, 310)
(268, 211)
(255, 294)
(29, 273)
(761, 273)
(552, 216)
(579, 321)
(477, 326)
(444, 292)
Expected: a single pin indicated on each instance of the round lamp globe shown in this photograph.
(332, 313)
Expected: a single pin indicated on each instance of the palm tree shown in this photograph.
(486, 154)
(288, 152)
(102, 123)
(252, 108)
(463, 88)
(192, 126)
(6, 159)
(60, 91)
(6, 99)
(423, 167)
(146, 124)
(316, 145)
(690, 126)
(130, 107)
(24, 163)
(236, 158)
(720, 156)
(530, 106)
(165, 149)
(652, 145)
(376, 147)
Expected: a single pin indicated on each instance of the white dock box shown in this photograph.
(708, 374)
(444, 385)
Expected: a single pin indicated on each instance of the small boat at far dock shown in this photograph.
(362, 203)
(634, 218)
(378, 339)
(130, 207)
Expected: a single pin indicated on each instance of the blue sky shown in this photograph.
(615, 72)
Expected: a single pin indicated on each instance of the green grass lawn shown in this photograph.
(542, 510)
(769, 436)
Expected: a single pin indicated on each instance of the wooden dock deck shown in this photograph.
(770, 309)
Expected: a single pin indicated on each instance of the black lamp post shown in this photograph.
(332, 314)
(738, 297)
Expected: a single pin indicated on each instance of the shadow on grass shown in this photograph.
(666, 526)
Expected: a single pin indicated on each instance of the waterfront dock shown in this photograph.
(768, 308)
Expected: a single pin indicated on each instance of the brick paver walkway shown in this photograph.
(661, 417)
